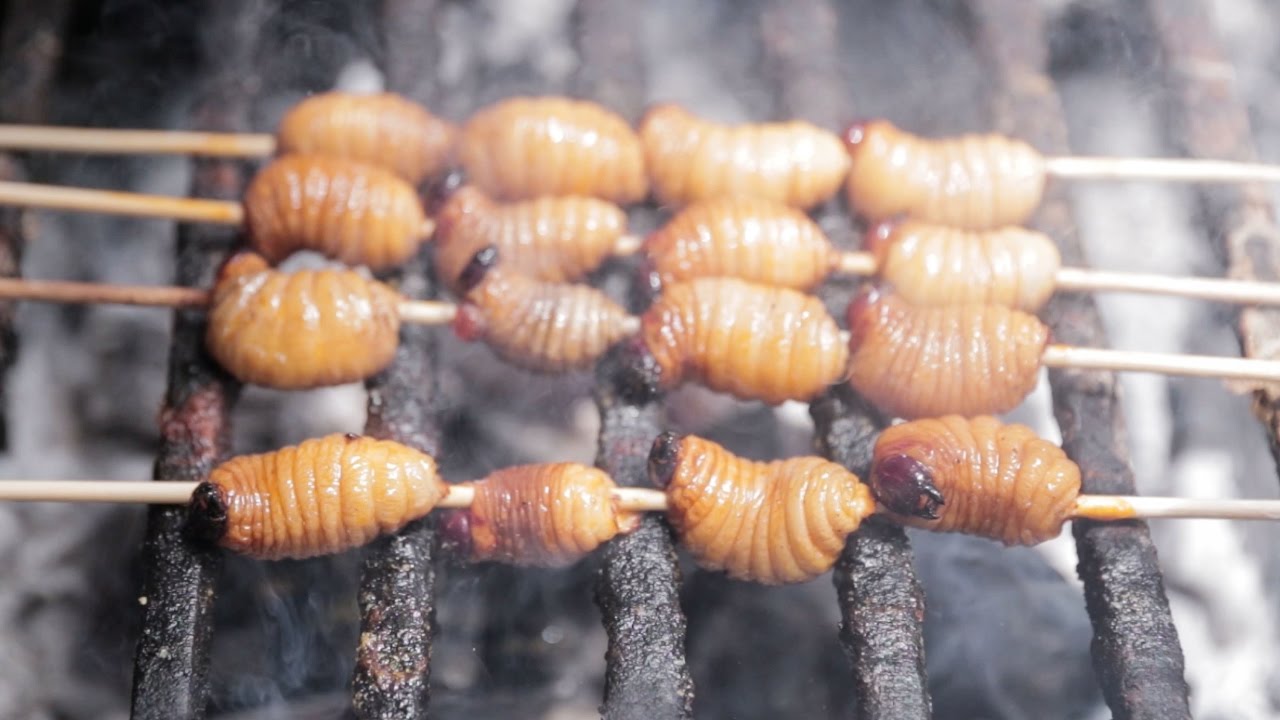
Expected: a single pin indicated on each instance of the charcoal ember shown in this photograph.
(1006, 636)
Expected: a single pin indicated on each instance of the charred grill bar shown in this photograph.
(171, 664)
(392, 676)
(1136, 654)
(1207, 119)
(30, 48)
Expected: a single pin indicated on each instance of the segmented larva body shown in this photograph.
(748, 238)
(979, 182)
(752, 341)
(937, 265)
(690, 159)
(554, 239)
(322, 496)
(353, 212)
(383, 129)
(924, 362)
(976, 476)
(300, 330)
(548, 515)
(523, 148)
(538, 326)
(770, 522)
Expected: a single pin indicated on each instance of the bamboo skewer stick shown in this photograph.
(1162, 169)
(100, 141)
(1093, 507)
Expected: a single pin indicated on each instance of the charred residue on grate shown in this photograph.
(1136, 653)
(171, 665)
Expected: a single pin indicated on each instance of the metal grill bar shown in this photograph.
(392, 676)
(881, 602)
(1136, 653)
(171, 664)
(1207, 119)
(638, 589)
(30, 47)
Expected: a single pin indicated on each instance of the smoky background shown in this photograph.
(1006, 630)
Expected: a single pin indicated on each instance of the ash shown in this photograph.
(1006, 630)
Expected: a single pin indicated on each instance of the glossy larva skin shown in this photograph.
(306, 329)
(528, 147)
(323, 496)
(760, 241)
(752, 341)
(769, 522)
(544, 327)
(548, 515)
(352, 212)
(553, 239)
(998, 481)
(382, 129)
(976, 182)
(690, 159)
(933, 265)
(914, 362)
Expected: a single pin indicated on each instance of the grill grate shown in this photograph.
(1136, 652)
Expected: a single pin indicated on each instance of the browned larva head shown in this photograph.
(664, 456)
(863, 303)
(905, 485)
(476, 270)
(455, 532)
(439, 191)
(855, 133)
(207, 514)
(878, 235)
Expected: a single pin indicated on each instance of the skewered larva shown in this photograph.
(527, 147)
(382, 129)
(548, 515)
(554, 239)
(537, 326)
(924, 362)
(977, 476)
(748, 238)
(752, 341)
(691, 159)
(937, 265)
(306, 329)
(323, 496)
(979, 182)
(356, 213)
(770, 522)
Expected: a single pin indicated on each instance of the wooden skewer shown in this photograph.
(1093, 507)
(114, 202)
(1162, 169)
(135, 142)
(1089, 280)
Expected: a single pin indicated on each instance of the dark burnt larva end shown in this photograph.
(879, 234)
(855, 133)
(207, 514)
(904, 485)
(664, 457)
(442, 188)
(476, 270)
(633, 370)
(455, 533)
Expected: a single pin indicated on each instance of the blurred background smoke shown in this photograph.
(1006, 630)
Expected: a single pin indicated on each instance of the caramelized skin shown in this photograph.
(352, 212)
(300, 330)
(523, 148)
(778, 522)
(936, 265)
(979, 182)
(923, 362)
(752, 341)
(541, 515)
(998, 481)
(385, 129)
(690, 159)
(541, 326)
(748, 238)
(323, 496)
(555, 239)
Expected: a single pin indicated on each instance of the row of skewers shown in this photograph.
(945, 332)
